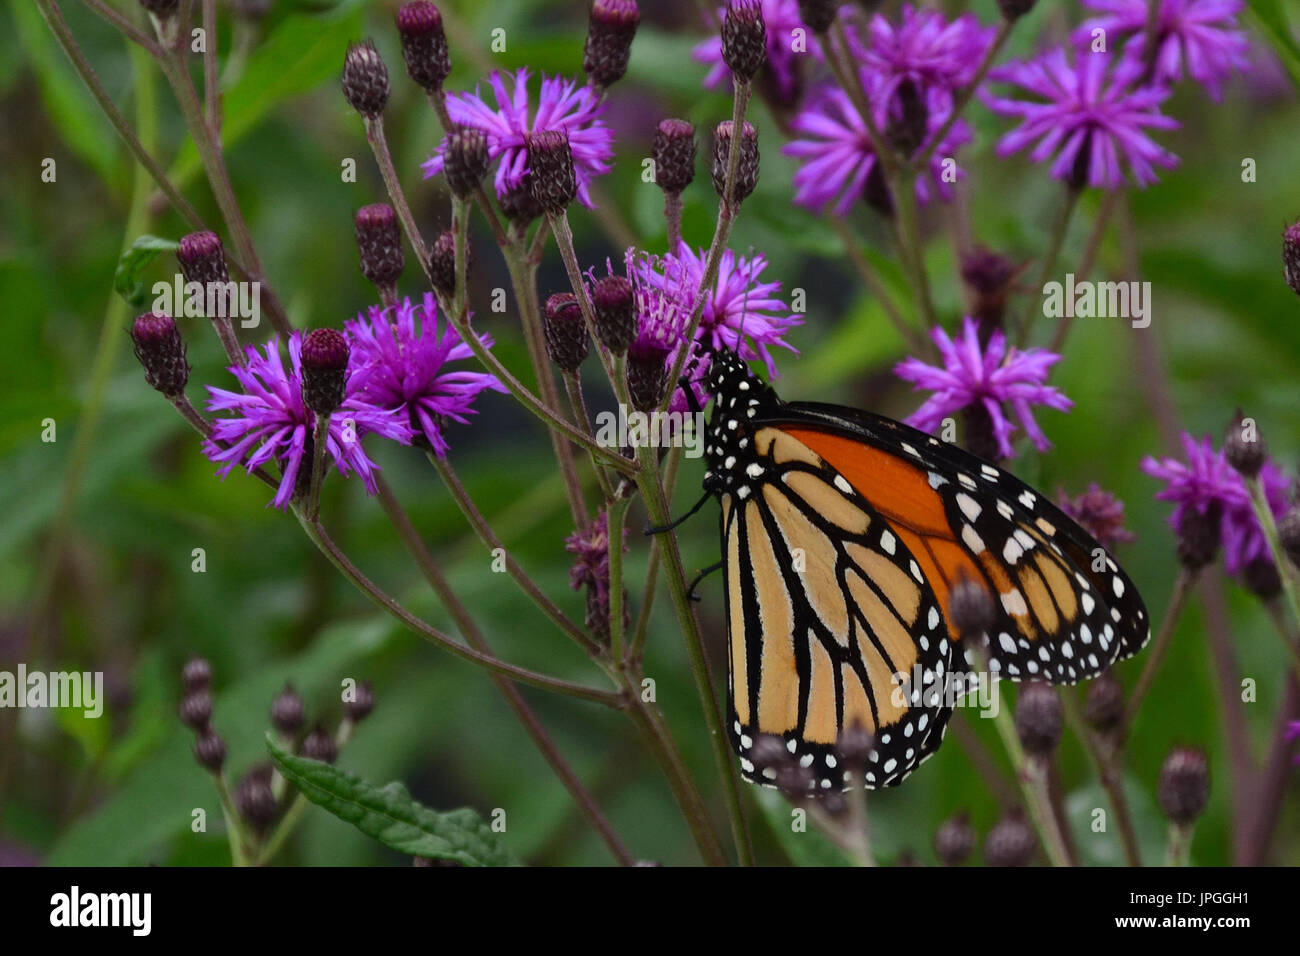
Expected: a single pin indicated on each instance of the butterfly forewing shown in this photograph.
(844, 535)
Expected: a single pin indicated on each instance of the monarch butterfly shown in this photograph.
(843, 536)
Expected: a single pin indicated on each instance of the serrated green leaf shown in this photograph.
(126, 280)
(390, 815)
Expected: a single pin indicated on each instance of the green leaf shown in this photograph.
(126, 280)
(390, 815)
(69, 105)
(1273, 22)
(303, 53)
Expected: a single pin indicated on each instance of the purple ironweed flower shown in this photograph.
(1094, 119)
(1205, 481)
(663, 297)
(561, 105)
(1243, 538)
(938, 55)
(271, 417)
(1198, 35)
(837, 157)
(590, 546)
(740, 312)
(1099, 513)
(781, 68)
(399, 368)
(987, 377)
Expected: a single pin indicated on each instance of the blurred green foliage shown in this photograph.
(268, 609)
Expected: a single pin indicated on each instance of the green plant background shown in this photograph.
(268, 609)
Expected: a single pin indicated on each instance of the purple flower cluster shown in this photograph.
(561, 105)
(273, 423)
(1198, 37)
(397, 387)
(925, 55)
(739, 311)
(988, 377)
(1205, 482)
(1092, 116)
(781, 69)
(400, 364)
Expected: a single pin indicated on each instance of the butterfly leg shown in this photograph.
(690, 591)
(660, 529)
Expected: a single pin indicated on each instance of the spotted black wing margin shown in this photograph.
(1106, 619)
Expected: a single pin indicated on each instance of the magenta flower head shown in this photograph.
(836, 156)
(271, 422)
(781, 68)
(1094, 121)
(663, 298)
(986, 378)
(1204, 485)
(1243, 538)
(399, 366)
(1099, 513)
(939, 56)
(561, 105)
(1198, 36)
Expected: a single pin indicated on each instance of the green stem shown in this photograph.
(327, 547)
(234, 827)
(1285, 571)
(1060, 227)
(615, 514)
(320, 439)
(653, 495)
(1104, 756)
(1155, 656)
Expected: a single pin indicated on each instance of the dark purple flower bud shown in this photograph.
(769, 752)
(319, 745)
(1011, 841)
(1040, 718)
(567, 341)
(989, 277)
(954, 840)
(255, 801)
(162, 9)
(647, 375)
(465, 160)
(1288, 530)
(196, 709)
(161, 351)
(746, 169)
(1099, 513)
(794, 780)
(517, 202)
(196, 675)
(1291, 256)
(909, 119)
(744, 38)
(1104, 707)
(1261, 578)
(287, 711)
(970, 609)
(609, 40)
(325, 355)
(202, 258)
(854, 746)
(1015, 9)
(1199, 534)
(876, 194)
(1184, 787)
(1243, 448)
(365, 79)
(251, 10)
(818, 15)
(210, 750)
(611, 297)
(442, 264)
(379, 241)
(362, 703)
(550, 161)
(424, 44)
(673, 153)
